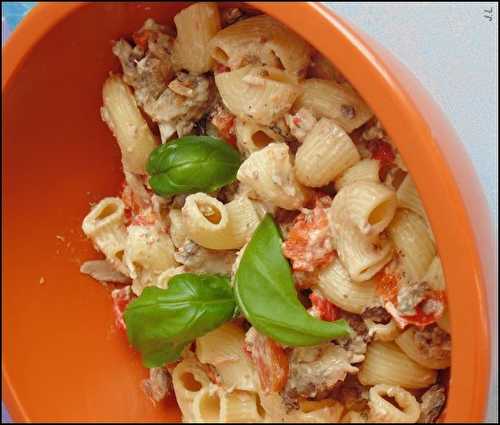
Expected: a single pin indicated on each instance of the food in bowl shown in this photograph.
(271, 255)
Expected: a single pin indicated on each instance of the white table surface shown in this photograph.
(453, 50)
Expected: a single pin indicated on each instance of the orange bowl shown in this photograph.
(62, 359)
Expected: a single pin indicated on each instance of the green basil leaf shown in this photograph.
(265, 293)
(161, 322)
(192, 164)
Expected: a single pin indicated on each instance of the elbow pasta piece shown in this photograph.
(370, 206)
(412, 240)
(223, 348)
(206, 406)
(381, 410)
(269, 174)
(124, 119)
(243, 220)
(364, 170)
(177, 229)
(262, 39)
(214, 225)
(385, 363)
(382, 332)
(336, 285)
(251, 137)
(326, 152)
(363, 256)
(406, 341)
(260, 93)
(333, 100)
(104, 224)
(196, 25)
(188, 380)
(148, 248)
(206, 221)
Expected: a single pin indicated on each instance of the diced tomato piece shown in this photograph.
(271, 363)
(422, 319)
(224, 122)
(121, 297)
(308, 244)
(387, 286)
(326, 310)
(141, 38)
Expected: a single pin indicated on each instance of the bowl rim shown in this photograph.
(423, 121)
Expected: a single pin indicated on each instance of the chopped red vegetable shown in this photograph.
(326, 310)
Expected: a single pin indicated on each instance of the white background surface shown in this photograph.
(453, 50)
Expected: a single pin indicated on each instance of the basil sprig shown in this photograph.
(192, 164)
(161, 322)
(266, 295)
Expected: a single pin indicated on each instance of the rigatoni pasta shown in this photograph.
(265, 39)
(123, 117)
(330, 99)
(270, 176)
(260, 93)
(196, 26)
(385, 363)
(326, 152)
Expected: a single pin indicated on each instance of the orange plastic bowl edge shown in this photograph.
(442, 172)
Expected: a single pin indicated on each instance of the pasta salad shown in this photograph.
(270, 256)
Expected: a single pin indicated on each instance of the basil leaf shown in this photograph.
(161, 322)
(265, 293)
(192, 164)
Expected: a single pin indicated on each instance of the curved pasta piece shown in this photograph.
(385, 363)
(264, 40)
(251, 137)
(326, 152)
(381, 410)
(409, 198)
(364, 170)
(412, 239)
(370, 206)
(124, 119)
(206, 221)
(336, 285)
(269, 175)
(104, 224)
(406, 341)
(363, 256)
(196, 25)
(337, 101)
(149, 249)
(189, 380)
(206, 406)
(260, 93)
(223, 348)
